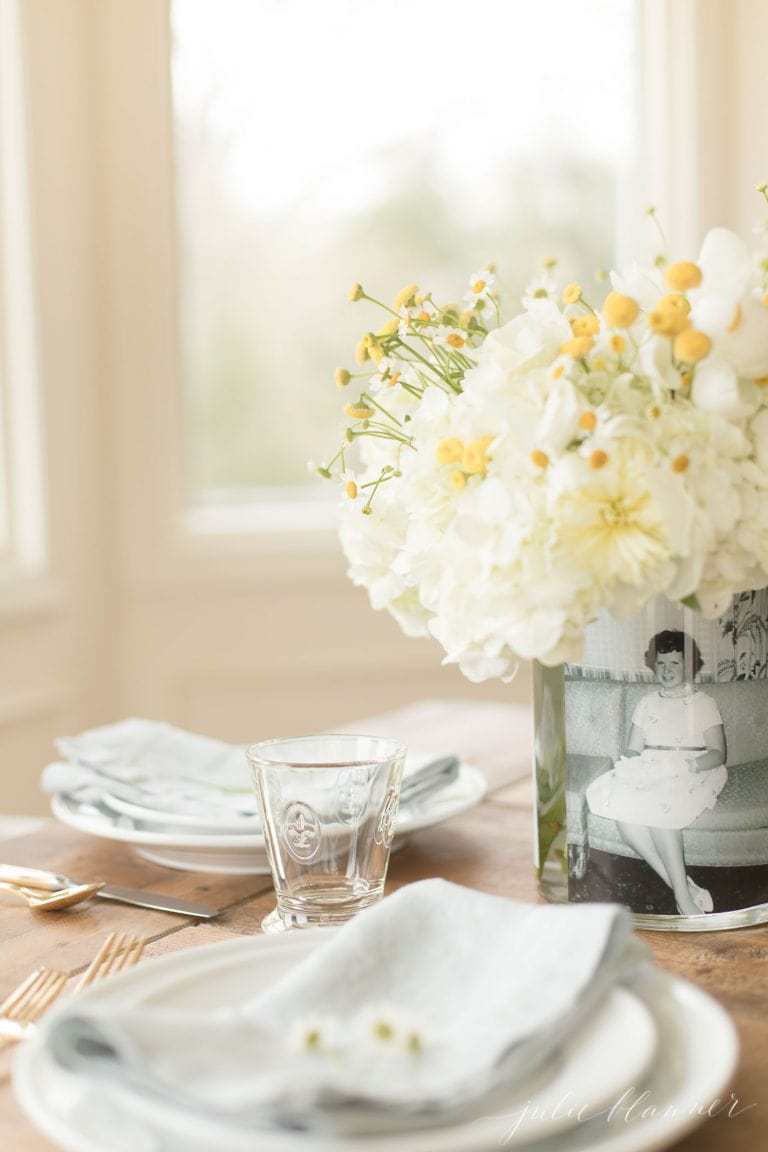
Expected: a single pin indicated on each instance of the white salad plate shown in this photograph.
(238, 853)
(675, 1045)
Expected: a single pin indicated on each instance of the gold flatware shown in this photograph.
(43, 901)
(38, 879)
(119, 950)
(26, 1004)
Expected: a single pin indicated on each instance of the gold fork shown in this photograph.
(26, 1004)
(119, 950)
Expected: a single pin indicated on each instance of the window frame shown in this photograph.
(682, 64)
(24, 549)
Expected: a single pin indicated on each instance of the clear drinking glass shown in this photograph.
(328, 804)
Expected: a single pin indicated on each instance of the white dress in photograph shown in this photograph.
(659, 788)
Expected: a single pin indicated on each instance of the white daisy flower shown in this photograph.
(481, 285)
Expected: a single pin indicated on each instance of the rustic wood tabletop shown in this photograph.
(488, 848)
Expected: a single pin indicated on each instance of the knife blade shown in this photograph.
(52, 882)
(154, 900)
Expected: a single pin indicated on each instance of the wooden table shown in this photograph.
(488, 848)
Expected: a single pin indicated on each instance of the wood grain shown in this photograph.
(488, 848)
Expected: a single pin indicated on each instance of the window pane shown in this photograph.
(319, 143)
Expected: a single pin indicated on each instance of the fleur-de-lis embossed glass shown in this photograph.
(328, 805)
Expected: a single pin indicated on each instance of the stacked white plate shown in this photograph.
(227, 843)
(644, 1072)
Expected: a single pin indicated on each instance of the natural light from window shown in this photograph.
(319, 143)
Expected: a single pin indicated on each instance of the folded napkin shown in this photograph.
(422, 1005)
(169, 770)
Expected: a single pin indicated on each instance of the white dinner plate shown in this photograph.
(689, 1039)
(243, 854)
(684, 1033)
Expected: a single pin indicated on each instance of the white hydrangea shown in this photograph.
(590, 460)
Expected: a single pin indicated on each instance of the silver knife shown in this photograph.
(52, 882)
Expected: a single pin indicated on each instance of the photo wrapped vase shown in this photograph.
(651, 767)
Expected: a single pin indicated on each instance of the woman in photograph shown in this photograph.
(672, 771)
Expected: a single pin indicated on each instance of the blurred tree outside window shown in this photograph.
(320, 143)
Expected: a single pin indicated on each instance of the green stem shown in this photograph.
(380, 304)
(367, 396)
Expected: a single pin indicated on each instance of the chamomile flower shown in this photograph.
(380, 380)
(542, 289)
(454, 339)
(481, 287)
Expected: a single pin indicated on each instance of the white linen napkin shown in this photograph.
(421, 1005)
(170, 770)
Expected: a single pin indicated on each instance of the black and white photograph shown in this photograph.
(666, 765)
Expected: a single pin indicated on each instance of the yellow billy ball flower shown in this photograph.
(342, 377)
(578, 347)
(675, 304)
(618, 344)
(375, 350)
(358, 411)
(450, 450)
(680, 463)
(361, 350)
(406, 295)
(682, 275)
(598, 459)
(692, 345)
(458, 480)
(390, 328)
(356, 292)
(539, 458)
(588, 421)
(351, 489)
(620, 311)
(588, 325)
(571, 293)
(474, 459)
(670, 316)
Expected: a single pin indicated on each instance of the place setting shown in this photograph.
(186, 801)
(435, 1019)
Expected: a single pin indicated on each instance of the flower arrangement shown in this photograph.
(505, 482)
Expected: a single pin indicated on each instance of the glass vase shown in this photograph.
(651, 767)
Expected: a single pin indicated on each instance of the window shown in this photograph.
(322, 143)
